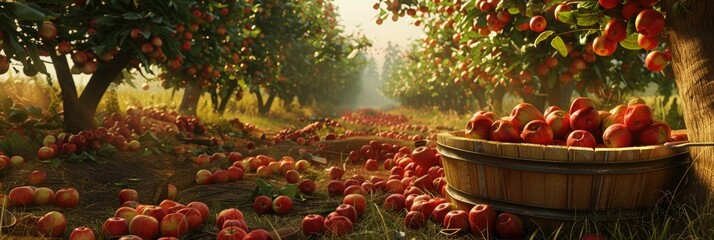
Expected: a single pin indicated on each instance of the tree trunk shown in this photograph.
(480, 94)
(691, 39)
(226, 97)
(264, 108)
(191, 95)
(104, 76)
(560, 95)
(496, 96)
(214, 98)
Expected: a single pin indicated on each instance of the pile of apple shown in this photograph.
(68, 144)
(373, 117)
(339, 222)
(6, 161)
(30, 195)
(140, 120)
(308, 134)
(583, 126)
(400, 135)
(245, 127)
(280, 205)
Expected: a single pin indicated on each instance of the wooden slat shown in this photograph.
(533, 182)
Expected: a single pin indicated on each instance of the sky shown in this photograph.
(359, 16)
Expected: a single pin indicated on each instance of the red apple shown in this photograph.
(154, 211)
(258, 234)
(649, 22)
(234, 157)
(579, 103)
(292, 176)
(654, 134)
(115, 226)
(128, 195)
(335, 187)
(559, 122)
(371, 165)
(637, 117)
(313, 224)
(22, 196)
(193, 217)
(231, 233)
(504, 131)
(358, 201)
(337, 226)
(616, 30)
(263, 204)
(456, 219)
(37, 177)
(538, 24)
(617, 135)
(478, 127)
(415, 220)
(336, 173)
(282, 205)
(52, 224)
(221, 176)
(537, 132)
(524, 113)
(240, 223)
(201, 207)
(302, 165)
(394, 186)
(593, 237)
(656, 61)
(425, 157)
(235, 173)
(348, 211)
(394, 203)
(482, 219)
(174, 225)
(306, 186)
(82, 233)
(228, 214)
(581, 138)
(440, 212)
(509, 226)
(45, 153)
(587, 119)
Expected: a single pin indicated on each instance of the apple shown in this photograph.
(231, 233)
(228, 214)
(115, 226)
(616, 30)
(128, 195)
(235, 173)
(579, 103)
(478, 127)
(593, 237)
(637, 117)
(313, 224)
(258, 234)
(348, 211)
(415, 220)
(174, 225)
(456, 219)
(282, 205)
(647, 43)
(612, 119)
(264, 171)
(52, 224)
(335, 187)
(440, 212)
(262, 204)
(581, 138)
(509, 226)
(425, 157)
(17, 160)
(204, 177)
(504, 131)
(127, 213)
(537, 132)
(82, 233)
(306, 186)
(649, 22)
(43, 196)
(337, 225)
(559, 122)
(482, 220)
(235, 157)
(48, 31)
(336, 173)
(201, 207)
(656, 61)
(371, 165)
(537, 24)
(654, 134)
(358, 201)
(586, 119)
(524, 113)
(617, 135)
(394, 186)
(22, 196)
(394, 203)
(609, 4)
(154, 211)
(45, 153)
(240, 223)
(221, 176)
(302, 165)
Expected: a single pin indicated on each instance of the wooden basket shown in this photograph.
(557, 181)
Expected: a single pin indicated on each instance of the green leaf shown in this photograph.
(289, 190)
(265, 188)
(145, 152)
(566, 17)
(587, 19)
(588, 5)
(17, 115)
(74, 158)
(24, 12)
(34, 111)
(543, 36)
(54, 163)
(559, 45)
(131, 16)
(631, 42)
(583, 37)
(134, 180)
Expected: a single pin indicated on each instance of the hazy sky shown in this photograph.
(358, 15)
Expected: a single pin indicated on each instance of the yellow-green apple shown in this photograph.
(128, 195)
(262, 204)
(228, 214)
(603, 115)
(193, 217)
(282, 205)
(559, 122)
(52, 224)
(549, 110)
(204, 177)
(231, 233)
(509, 226)
(335, 187)
(154, 211)
(537, 132)
(306, 186)
(618, 109)
(258, 234)
(482, 219)
(174, 225)
(358, 201)
(201, 207)
(17, 160)
(415, 220)
(292, 176)
(581, 102)
(44, 196)
(348, 211)
(441, 210)
(634, 101)
(456, 219)
(614, 118)
(336, 173)
(49, 139)
(22, 196)
(371, 165)
(313, 224)
(654, 134)
(302, 165)
(81, 233)
(221, 176)
(45, 153)
(617, 135)
(637, 117)
(337, 225)
(524, 113)
(235, 173)
(478, 127)
(504, 131)
(586, 119)
(126, 213)
(114, 227)
(394, 203)
(581, 138)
